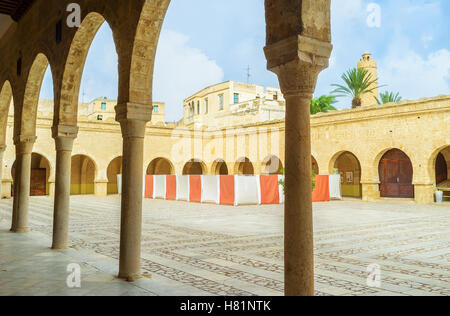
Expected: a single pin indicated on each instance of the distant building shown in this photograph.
(230, 104)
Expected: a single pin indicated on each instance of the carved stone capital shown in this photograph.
(64, 136)
(24, 144)
(133, 119)
(297, 61)
(65, 131)
(134, 111)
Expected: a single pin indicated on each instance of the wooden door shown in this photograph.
(396, 175)
(441, 169)
(38, 184)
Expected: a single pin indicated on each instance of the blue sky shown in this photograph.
(214, 41)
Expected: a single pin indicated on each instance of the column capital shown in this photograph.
(64, 136)
(133, 118)
(68, 131)
(134, 111)
(297, 61)
(24, 144)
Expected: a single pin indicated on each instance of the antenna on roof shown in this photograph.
(248, 74)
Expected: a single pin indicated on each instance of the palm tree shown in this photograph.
(323, 104)
(388, 97)
(357, 83)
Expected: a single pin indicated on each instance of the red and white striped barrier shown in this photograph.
(225, 190)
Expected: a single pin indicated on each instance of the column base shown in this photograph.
(101, 189)
(370, 192)
(60, 247)
(131, 278)
(20, 230)
(424, 193)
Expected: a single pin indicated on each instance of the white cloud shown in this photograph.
(180, 71)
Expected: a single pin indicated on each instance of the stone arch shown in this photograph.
(83, 175)
(67, 101)
(349, 167)
(144, 45)
(219, 167)
(244, 166)
(28, 116)
(439, 166)
(160, 166)
(272, 165)
(396, 172)
(41, 170)
(6, 95)
(114, 169)
(195, 167)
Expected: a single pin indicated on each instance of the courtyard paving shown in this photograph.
(199, 249)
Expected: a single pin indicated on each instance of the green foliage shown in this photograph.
(283, 182)
(357, 83)
(388, 97)
(323, 104)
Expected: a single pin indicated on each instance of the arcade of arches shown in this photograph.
(297, 51)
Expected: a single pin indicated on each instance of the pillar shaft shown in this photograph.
(299, 255)
(24, 148)
(297, 61)
(64, 138)
(133, 119)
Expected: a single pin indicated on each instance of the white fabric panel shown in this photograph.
(182, 188)
(159, 187)
(280, 188)
(143, 186)
(119, 183)
(210, 189)
(246, 190)
(335, 187)
(258, 187)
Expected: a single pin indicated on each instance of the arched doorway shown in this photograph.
(396, 174)
(114, 169)
(194, 167)
(272, 165)
(220, 167)
(82, 175)
(349, 167)
(442, 171)
(244, 167)
(314, 166)
(40, 173)
(160, 166)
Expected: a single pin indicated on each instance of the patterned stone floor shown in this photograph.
(197, 249)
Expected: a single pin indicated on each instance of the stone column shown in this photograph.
(298, 61)
(133, 119)
(24, 149)
(64, 137)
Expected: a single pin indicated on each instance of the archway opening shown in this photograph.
(194, 167)
(244, 167)
(160, 166)
(40, 173)
(314, 166)
(220, 168)
(82, 175)
(114, 169)
(442, 172)
(349, 167)
(396, 175)
(272, 166)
